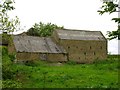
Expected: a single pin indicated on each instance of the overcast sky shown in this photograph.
(72, 14)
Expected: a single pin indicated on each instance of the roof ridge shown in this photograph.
(79, 30)
(80, 34)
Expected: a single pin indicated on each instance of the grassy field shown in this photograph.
(41, 74)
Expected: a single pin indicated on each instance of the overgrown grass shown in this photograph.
(41, 74)
(8, 70)
(99, 75)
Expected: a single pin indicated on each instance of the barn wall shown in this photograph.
(27, 56)
(41, 56)
(85, 51)
(55, 37)
(11, 49)
(57, 57)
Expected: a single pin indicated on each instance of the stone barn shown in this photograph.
(37, 48)
(82, 46)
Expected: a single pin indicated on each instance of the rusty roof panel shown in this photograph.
(36, 44)
(80, 35)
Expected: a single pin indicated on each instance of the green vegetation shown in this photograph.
(111, 6)
(7, 24)
(42, 29)
(41, 74)
(8, 70)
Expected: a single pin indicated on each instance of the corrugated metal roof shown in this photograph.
(80, 35)
(36, 44)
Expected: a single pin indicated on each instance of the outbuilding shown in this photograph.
(37, 48)
(82, 46)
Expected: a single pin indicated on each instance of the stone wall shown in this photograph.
(84, 51)
(55, 37)
(27, 56)
(57, 57)
(52, 57)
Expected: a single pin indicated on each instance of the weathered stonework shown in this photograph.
(64, 45)
(29, 48)
(83, 51)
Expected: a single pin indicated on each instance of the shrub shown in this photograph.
(42, 29)
(29, 63)
(4, 50)
(7, 72)
(12, 57)
(35, 63)
(11, 84)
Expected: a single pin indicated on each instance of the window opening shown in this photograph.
(90, 47)
(84, 53)
(68, 47)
